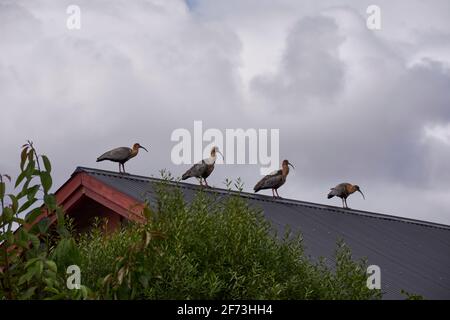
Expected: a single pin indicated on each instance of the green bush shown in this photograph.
(214, 247)
(33, 253)
(211, 248)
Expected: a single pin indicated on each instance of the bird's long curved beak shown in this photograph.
(362, 194)
(290, 164)
(221, 154)
(141, 147)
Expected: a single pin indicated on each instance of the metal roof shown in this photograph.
(413, 255)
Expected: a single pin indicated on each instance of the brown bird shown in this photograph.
(343, 190)
(121, 155)
(204, 168)
(275, 179)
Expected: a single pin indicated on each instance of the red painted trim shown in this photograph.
(73, 199)
(68, 188)
(82, 184)
(123, 204)
(126, 213)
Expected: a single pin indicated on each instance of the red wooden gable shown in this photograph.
(83, 197)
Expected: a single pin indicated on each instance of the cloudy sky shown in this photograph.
(370, 107)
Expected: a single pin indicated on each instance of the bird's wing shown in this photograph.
(117, 154)
(333, 192)
(269, 181)
(196, 170)
(339, 190)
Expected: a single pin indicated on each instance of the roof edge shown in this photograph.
(270, 199)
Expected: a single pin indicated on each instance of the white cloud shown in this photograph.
(351, 104)
(440, 133)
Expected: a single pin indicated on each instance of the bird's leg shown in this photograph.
(200, 180)
(206, 182)
(123, 167)
(120, 170)
(343, 203)
(276, 191)
(273, 194)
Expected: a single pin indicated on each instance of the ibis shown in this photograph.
(343, 190)
(121, 155)
(203, 169)
(275, 179)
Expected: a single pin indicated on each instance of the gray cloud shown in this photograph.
(351, 104)
(311, 72)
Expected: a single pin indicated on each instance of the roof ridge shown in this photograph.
(261, 197)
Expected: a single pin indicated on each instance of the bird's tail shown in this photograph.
(331, 194)
(100, 159)
(185, 176)
(257, 187)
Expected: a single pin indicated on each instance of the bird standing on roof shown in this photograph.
(343, 190)
(275, 179)
(121, 155)
(204, 168)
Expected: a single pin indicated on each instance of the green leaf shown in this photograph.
(47, 165)
(26, 205)
(39, 267)
(22, 244)
(46, 181)
(23, 158)
(25, 278)
(29, 293)
(19, 220)
(84, 292)
(24, 190)
(30, 262)
(59, 296)
(62, 230)
(50, 201)
(30, 167)
(31, 154)
(51, 289)
(10, 237)
(32, 215)
(43, 225)
(14, 202)
(31, 192)
(2, 190)
(8, 215)
(51, 265)
(22, 234)
(34, 240)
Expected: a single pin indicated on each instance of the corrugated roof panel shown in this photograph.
(413, 255)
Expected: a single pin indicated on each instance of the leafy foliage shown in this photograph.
(214, 247)
(30, 252)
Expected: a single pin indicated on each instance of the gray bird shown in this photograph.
(343, 190)
(121, 155)
(275, 179)
(204, 168)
